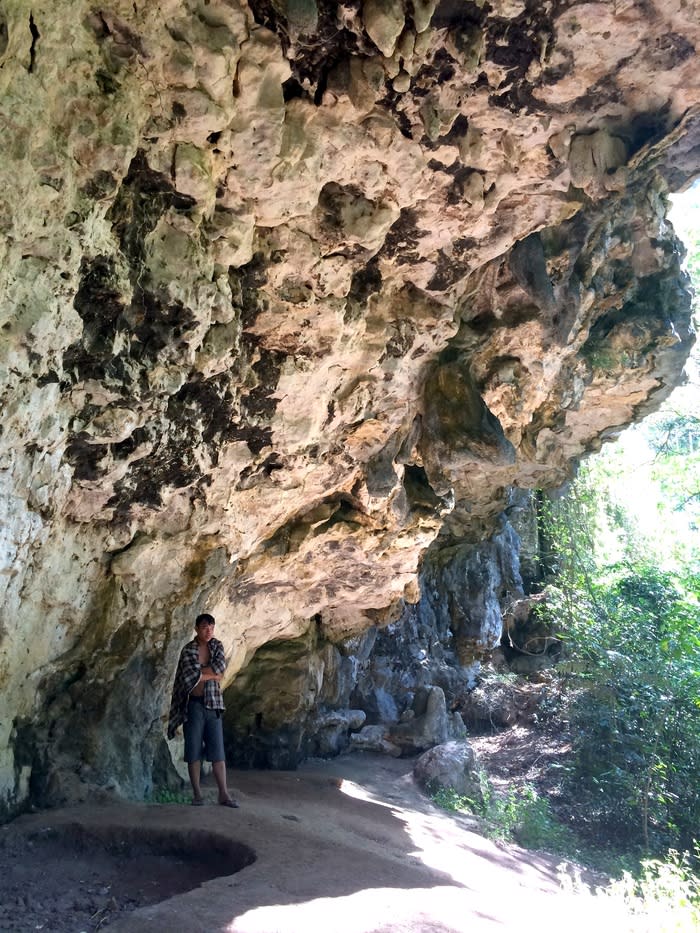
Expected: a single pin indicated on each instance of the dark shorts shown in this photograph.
(204, 734)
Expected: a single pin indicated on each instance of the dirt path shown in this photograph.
(347, 846)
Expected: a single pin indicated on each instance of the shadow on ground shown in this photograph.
(349, 845)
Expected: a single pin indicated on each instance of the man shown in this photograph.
(197, 705)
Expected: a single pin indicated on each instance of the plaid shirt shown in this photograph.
(188, 675)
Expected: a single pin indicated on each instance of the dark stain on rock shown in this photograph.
(529, 267)
(99, 302)
(50, 377)
(452, 138)
(85, 457)
(464, 245)
(4, 34)
(452, 14)
(35, 40)
(125, 448)
(254, 474)
(155, 323)
(207, 405)
(669, 51)
(365, 282)
(447, 272)
(402, 238)
(514, 44)
(438, 70)
(260, 402)
(101, 185)
(201, 418)
(461, 174)
(319, 42)
(403, 334)
(106, 82)
(245, 284)
(332, 202)
(147, 325)
(145, 195)
(256, 438)
(403, 123)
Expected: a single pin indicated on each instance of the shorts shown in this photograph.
(204, 733)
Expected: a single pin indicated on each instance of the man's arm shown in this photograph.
(217, 661)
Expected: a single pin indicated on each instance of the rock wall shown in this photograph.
(292, 293)
(393, 688)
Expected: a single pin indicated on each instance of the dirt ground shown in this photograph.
(348, 846)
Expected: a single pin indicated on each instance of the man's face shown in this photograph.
(205, 631)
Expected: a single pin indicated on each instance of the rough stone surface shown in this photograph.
(496, 703)
(289, 295)
(453, 765)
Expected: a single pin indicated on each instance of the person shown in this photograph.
(197, 705)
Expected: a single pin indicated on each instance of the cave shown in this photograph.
(302, 306)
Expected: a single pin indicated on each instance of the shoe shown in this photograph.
(229, 802)
(197, 801)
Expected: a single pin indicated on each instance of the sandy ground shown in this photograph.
(346, 846)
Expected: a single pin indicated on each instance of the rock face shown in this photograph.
(293, 294)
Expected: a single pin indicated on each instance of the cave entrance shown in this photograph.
(64, 877)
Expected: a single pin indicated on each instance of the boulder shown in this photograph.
(453, 766)
(374, 739)
(427, 723)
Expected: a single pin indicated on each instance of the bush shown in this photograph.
(520, 815)
(663, 898)
(632, 655)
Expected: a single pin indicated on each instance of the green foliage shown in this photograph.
(664, 896)
(519, 815)
(167, 795)
(447, 798)
(633, 660)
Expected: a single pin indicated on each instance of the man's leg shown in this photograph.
(194, 732)
(194, 769)
(214, 745)
(219, 769)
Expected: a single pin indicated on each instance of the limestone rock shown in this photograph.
(453, 766)
(428, 723)
(374, 739)
(293, 297)
(384, 21)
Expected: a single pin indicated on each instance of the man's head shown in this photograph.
(204, 625)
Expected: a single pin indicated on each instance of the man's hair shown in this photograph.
(203, 619)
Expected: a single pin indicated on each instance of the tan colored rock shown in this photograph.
(269, 329)
(384, 21)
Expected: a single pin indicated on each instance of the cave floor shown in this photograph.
(348, 846)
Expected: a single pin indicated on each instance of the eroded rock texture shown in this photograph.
(291, 293)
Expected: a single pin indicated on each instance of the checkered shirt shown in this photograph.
(187, 676)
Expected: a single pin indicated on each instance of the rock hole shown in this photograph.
(67, 876)
(35, 38)
(4, 35)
